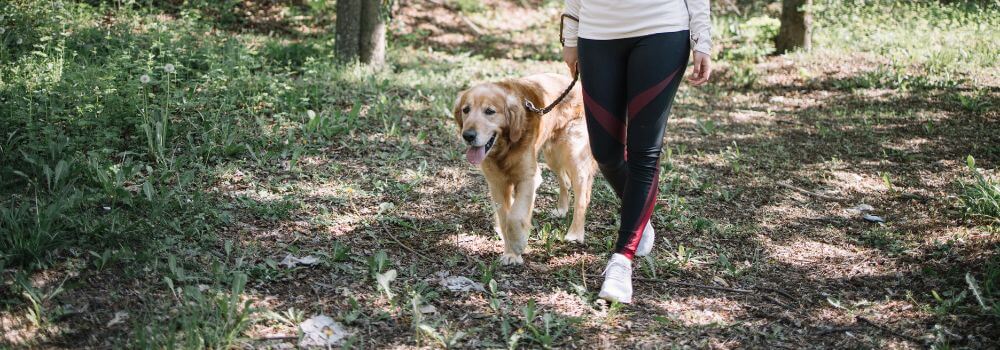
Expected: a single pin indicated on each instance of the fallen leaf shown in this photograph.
(461, 284)
(290, 261)
(321, 331)
(861, 208)
(384, 279)
(873, 218)
(428, 309)
(120, 317)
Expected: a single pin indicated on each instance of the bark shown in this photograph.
(796, 26)
(372, 32)
(348, 30)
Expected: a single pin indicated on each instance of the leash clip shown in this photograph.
(531, 107)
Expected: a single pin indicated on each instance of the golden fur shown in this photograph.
(511, 166)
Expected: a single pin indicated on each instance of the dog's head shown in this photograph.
(488, 115)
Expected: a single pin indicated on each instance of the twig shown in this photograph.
(693, 285)
(776, 301)
(776, 291)
(473, 26)
(755, 290)
(401, 244)
(814, 194)
(838, 330)
(458, 12)
(277, 337)
(887, 330)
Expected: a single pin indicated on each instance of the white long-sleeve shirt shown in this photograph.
(616, 19)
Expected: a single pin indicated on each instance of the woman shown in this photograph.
(630, 55)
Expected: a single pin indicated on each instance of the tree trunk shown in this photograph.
(372, 32)
(796, 26)
(348, 29)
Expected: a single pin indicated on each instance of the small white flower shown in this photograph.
(19, 41)
(169, 68)
(144, 79)
(311, 114)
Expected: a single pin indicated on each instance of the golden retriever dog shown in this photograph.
(505, 139)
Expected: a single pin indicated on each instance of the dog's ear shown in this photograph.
(516, 117)
(456, 111)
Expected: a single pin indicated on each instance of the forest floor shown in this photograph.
(181, 198)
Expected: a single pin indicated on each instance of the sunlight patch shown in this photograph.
(476, 244)
(807, 254)
(696, 311)
(565, 303)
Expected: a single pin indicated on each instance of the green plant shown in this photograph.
(377, 263)
(549, 236)
(549, 332)
(448, 340)
(38, 313)
(981, 198)
(486, 272)
(29, 234)
(203, 319)
(947, 302)
(988, 293)
(706, 127)
(291, 317)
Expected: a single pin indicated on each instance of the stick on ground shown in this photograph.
(804, 191)
(887, 330)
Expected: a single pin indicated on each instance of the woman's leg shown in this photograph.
(603, 73)
(655, 66)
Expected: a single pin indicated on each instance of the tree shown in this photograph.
(361, 31)
(372, 32)
(796, 26)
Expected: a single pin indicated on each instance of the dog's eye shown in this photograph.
(490, 111)
(465, 110)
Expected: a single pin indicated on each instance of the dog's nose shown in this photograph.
(469, 135)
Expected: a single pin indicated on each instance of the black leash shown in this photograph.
(531, 106)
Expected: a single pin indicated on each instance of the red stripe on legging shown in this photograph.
(641, 100)
(646, 214)
(611, 124)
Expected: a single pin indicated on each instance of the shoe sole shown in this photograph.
(613, 299)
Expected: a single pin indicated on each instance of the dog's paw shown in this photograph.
(511, 259)
(574, 237)
(559, 212)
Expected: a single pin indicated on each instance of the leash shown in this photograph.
(543, 111)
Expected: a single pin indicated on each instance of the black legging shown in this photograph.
(628, 88)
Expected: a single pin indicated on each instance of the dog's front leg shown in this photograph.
(501, 200)
(518, 224)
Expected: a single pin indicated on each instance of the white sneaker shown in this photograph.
(617, 280)
(646, 242)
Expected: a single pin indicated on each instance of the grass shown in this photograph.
(981, 197)
(161, 160)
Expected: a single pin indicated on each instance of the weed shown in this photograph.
(487, 271)
(706, 127)
(981, 198)
(291, 317)
(204, 319)
(29, 234)
(549, 332)
(38, 313)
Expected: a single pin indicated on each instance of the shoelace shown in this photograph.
(616, 274)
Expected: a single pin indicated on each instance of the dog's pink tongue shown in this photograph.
(475, 155)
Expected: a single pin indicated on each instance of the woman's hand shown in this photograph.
(701, 72)
(571, 58)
